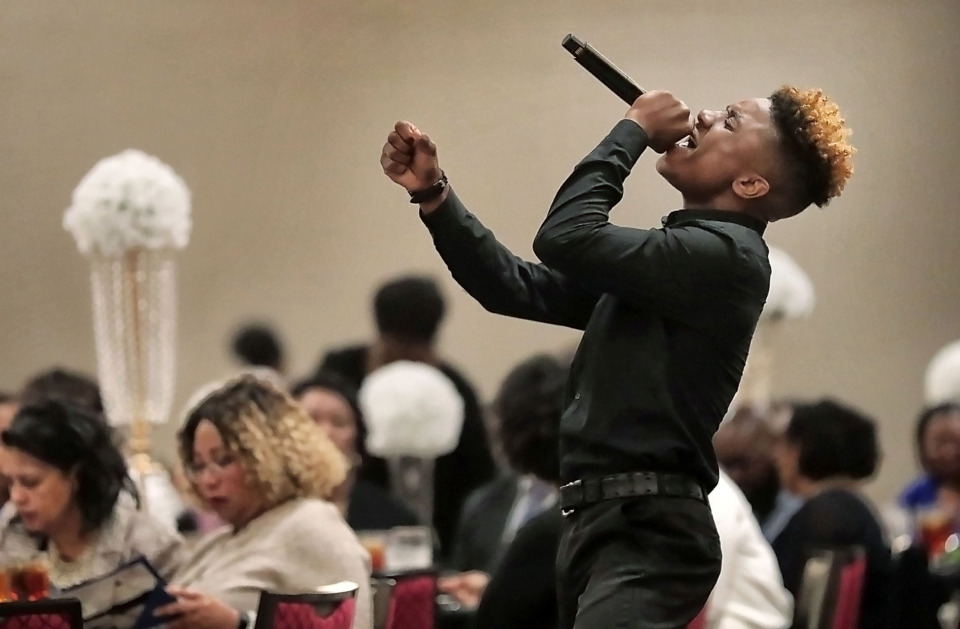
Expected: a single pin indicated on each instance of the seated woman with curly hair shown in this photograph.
(72, 504)
(257, 460)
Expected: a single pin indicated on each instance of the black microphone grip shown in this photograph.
(600, 67)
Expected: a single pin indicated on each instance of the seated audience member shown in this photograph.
(408, 312)
(255, 458)
(72, 504)
(81, 390)
(828, 451)
(938, 448)
(521, 591)
(8, 407)
(745, 445)
(749, 593)
(332, 404)
(527, 408)
(258, 345)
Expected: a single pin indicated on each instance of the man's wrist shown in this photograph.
(431, 192)
(429, 206)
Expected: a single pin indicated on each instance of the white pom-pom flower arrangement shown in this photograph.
(942, 382)
(411, 409)
(791, 291)
(129, 201)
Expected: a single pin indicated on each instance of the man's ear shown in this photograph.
(750, 186)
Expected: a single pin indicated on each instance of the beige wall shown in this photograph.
(274, 113)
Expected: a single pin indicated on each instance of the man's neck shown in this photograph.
(386, 350)
(726, 204)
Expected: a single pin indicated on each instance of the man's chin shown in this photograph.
(664, 170)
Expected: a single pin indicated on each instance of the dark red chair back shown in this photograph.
(413, 599)
(330, 607)
(47, 614)
(846, 614)
(831, 589)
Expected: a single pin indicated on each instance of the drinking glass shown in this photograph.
(934, 527)
(376, 544)
(409, 548)
(6, 587)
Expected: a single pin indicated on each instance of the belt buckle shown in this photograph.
(568, 512)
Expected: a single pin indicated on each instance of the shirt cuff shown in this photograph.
(447, 214)
(630, 136)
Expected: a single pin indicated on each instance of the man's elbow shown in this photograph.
(548, 248)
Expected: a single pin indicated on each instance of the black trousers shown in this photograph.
(638, 563)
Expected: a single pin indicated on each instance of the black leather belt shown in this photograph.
(587, 491)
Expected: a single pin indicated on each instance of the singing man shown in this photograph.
(667, 316)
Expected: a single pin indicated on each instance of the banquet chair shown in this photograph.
(64, 613)
(411, 603)
(831, 589)
(328, 607)
(382, 588)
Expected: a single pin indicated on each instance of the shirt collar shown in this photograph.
(683, 216)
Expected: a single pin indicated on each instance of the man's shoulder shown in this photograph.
(460, 381)
(483, 498)
(349, 361)
(348, 353)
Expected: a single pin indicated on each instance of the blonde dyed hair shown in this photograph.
(816, 138)
(284, 453)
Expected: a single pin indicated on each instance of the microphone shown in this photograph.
(600, 67)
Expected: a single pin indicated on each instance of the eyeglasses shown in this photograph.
(196, 468)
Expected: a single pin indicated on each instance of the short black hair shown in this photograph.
(833, 440)
(258, 345)
(73, 439)
(409, 309)
(926, 417)
(335, 383)
(528, 406)
(63, 384)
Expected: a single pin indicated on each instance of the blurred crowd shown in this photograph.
(273, 487)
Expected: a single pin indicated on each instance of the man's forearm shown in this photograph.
(585, 199)
(500, 281)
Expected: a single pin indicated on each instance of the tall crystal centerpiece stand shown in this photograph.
(129, 215)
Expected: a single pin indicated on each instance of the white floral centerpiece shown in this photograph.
(413, 414)
(127, 202)
(791, 291)
(942, 380)
(128, 215)
(791, 296)
(411, 409)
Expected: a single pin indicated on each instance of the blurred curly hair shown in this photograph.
(284, 453)
(815, 139)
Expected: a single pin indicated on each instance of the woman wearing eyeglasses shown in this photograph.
(257, 460)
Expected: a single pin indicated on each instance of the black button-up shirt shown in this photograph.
(667, 313)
